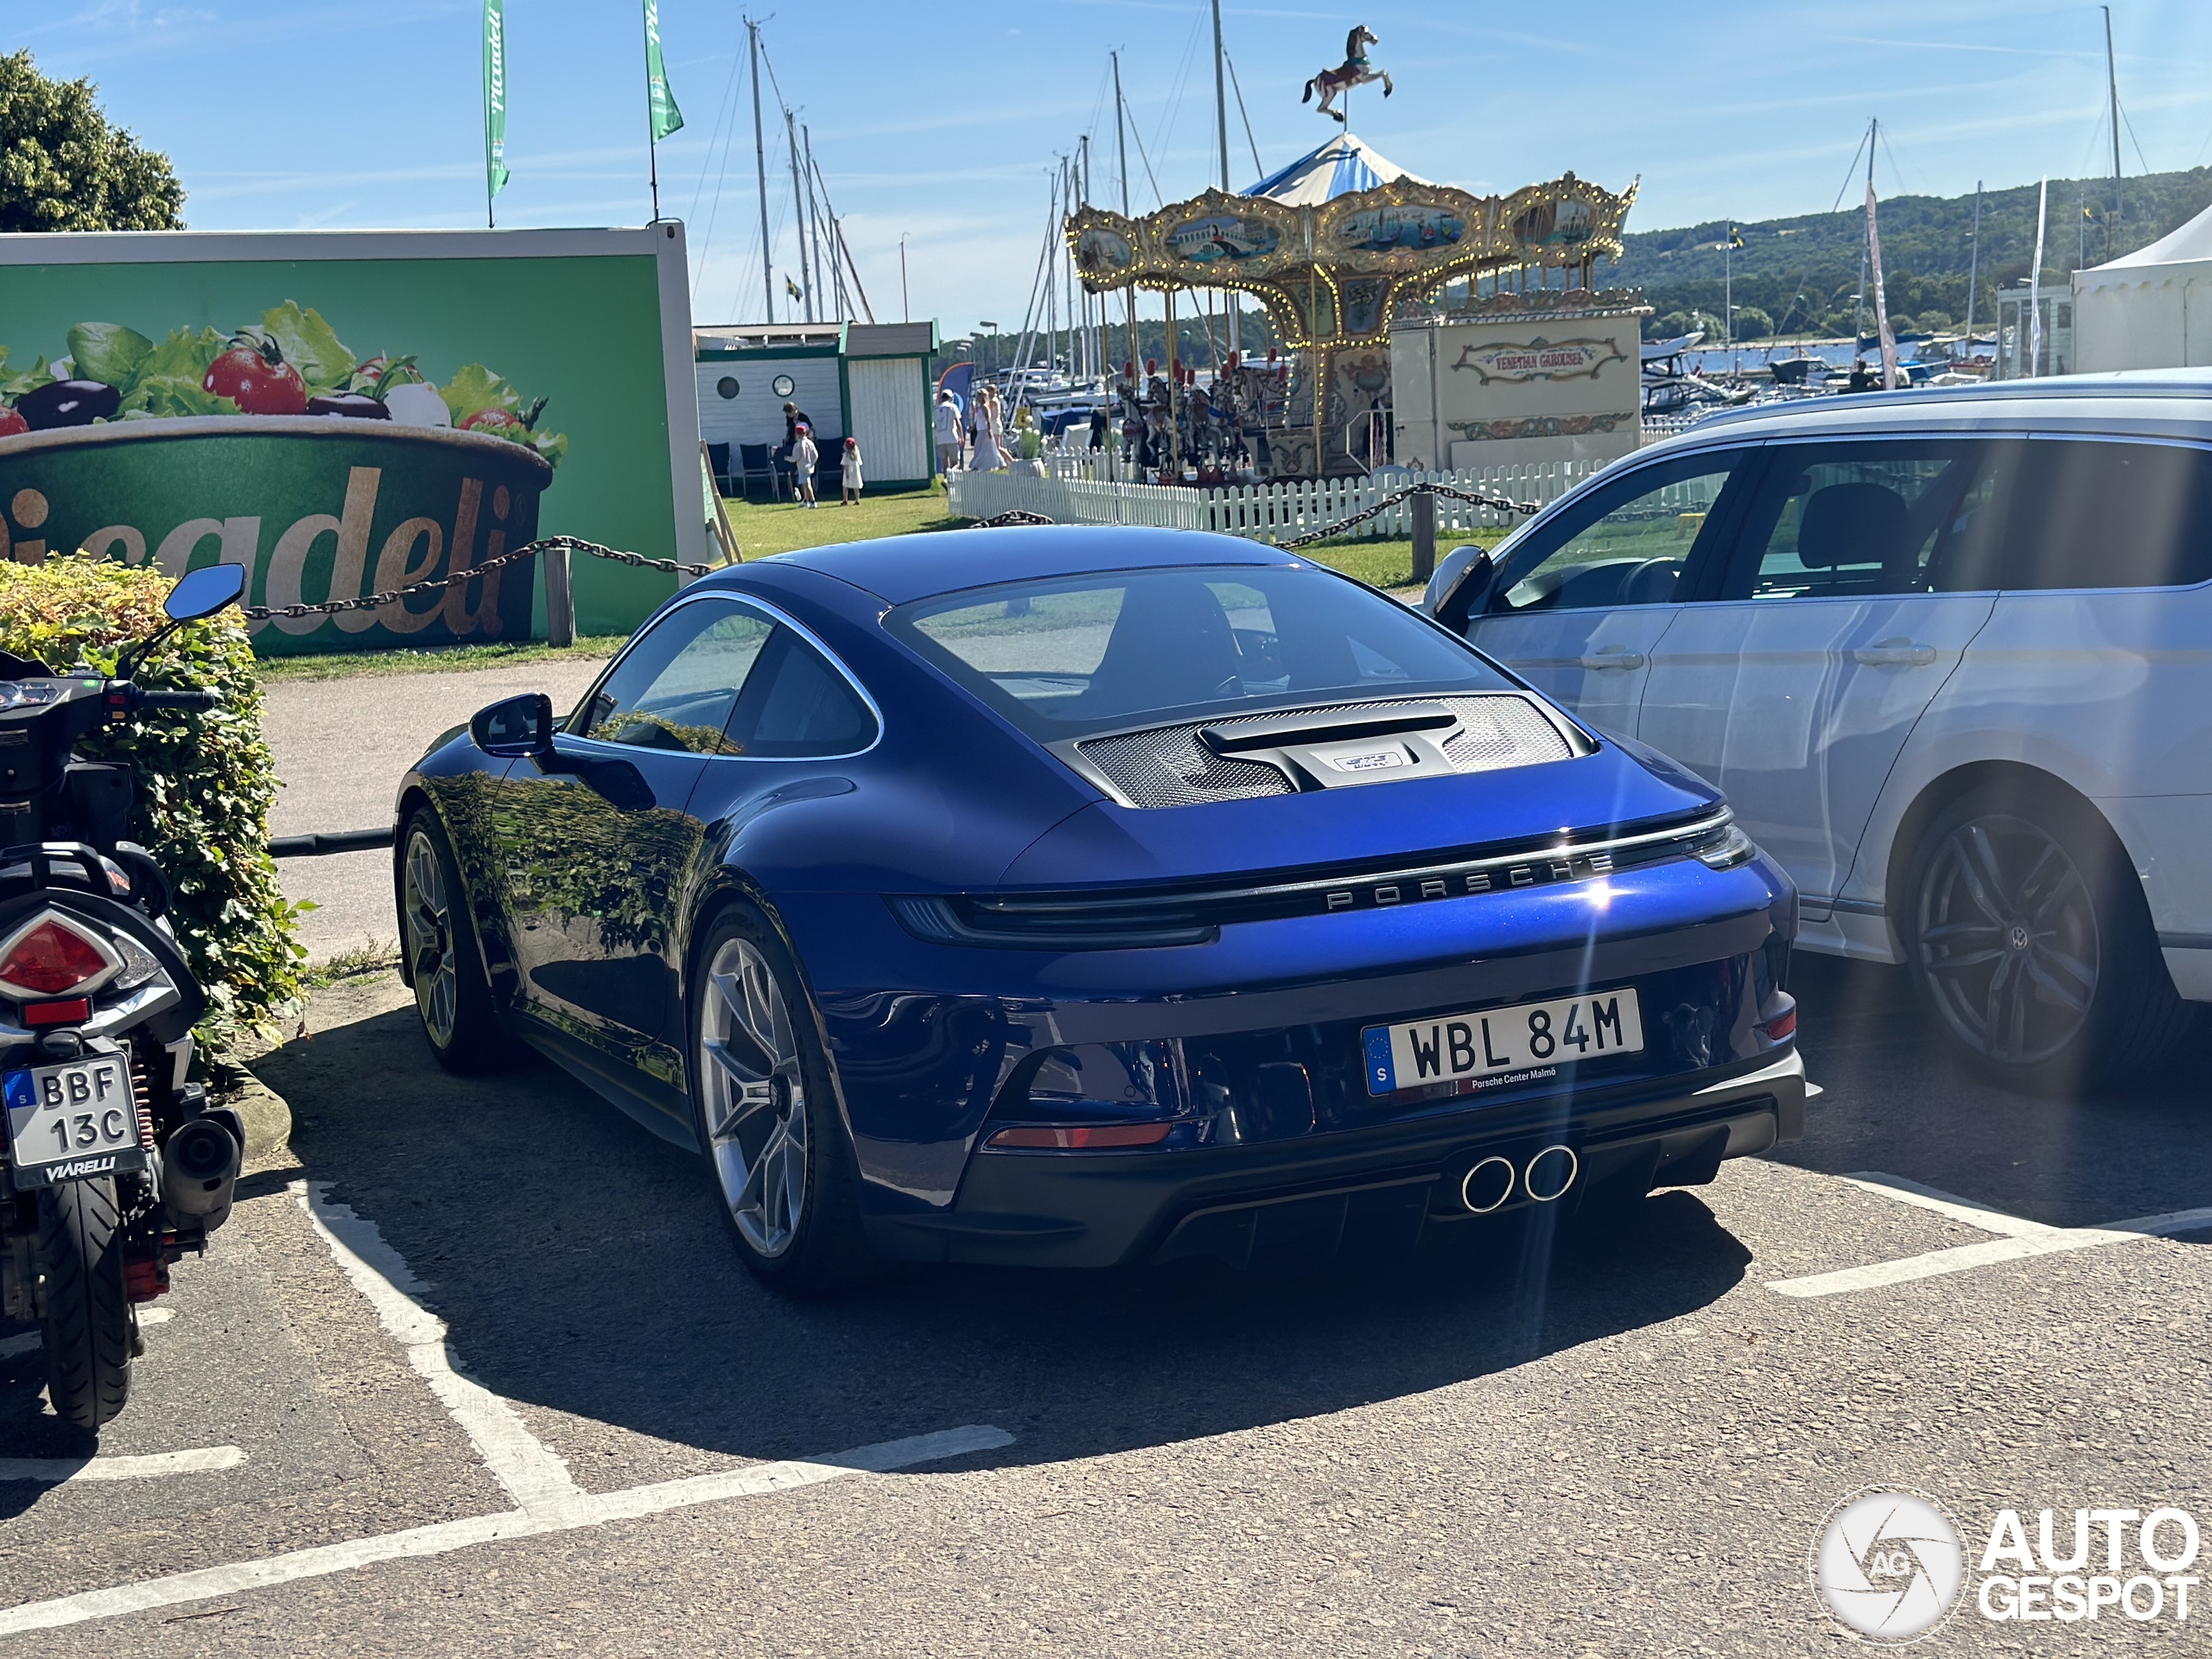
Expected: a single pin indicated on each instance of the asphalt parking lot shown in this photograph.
(1534, 1443)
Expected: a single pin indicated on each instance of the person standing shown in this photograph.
(805, 459)
(948, 432)
(988, 457)
(849, 467)
(794, 418)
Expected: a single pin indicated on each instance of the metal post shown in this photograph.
(2112, 80)
(1122, 149)
(1424, 504)
(761, 170)
(1974, 268)
(813, 210)
(560, 598)
(1221, 122)
(798, 218)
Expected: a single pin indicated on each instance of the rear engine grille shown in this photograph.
(1169, 766)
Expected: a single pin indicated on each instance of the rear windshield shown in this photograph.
(1076, 655)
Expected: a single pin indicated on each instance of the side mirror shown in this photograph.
(521, 725)
(1461, 587)
(203, 592)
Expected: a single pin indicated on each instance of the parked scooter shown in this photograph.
(114, 1166)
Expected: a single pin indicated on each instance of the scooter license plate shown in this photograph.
(71, 1122)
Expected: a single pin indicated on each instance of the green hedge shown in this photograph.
(205, 781)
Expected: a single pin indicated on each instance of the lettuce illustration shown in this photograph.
(108, 352)
(475, 390)
(166, 395)
(23, 380)
(311, 345)
(169, 378)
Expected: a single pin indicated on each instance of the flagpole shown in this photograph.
(652, 143)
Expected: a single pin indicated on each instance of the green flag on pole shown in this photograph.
(666, 118)
(495, 101)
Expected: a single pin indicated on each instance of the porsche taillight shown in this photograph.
(52, 955)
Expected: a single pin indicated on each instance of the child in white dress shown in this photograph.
(850, 467)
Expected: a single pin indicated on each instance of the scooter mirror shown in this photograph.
(205, 591)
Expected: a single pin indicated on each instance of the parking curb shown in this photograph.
(266, 1115)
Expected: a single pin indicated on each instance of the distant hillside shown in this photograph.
(1798, 274)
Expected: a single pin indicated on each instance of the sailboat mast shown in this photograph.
(1221, 122)
(798, 218)
(2111, 83)
(1122, 149)
(761, 170)
(1859, 305)
(1974, 266)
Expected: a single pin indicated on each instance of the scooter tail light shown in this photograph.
(51, 955)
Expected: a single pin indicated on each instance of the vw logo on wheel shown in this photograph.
(1888, 1566)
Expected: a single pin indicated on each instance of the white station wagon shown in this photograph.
(1949, 654)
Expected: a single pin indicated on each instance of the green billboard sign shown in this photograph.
(344, 414)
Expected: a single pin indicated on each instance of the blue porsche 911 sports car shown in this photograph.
(1090, 896)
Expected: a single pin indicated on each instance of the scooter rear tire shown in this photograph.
(86, 1324)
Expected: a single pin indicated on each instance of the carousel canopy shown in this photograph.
(1338, 168)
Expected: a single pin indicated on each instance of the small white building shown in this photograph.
(2015, 309)
(866, 380)
(2149, 309)
(1520, 377)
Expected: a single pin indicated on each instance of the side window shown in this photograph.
(1629, 545)
(2111, 514)
(799, 704)
(677, 687)
(1850, 520)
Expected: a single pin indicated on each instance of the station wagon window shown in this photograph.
(677, 686)
(2112, 514)
(1067, 657)
(1854, 519)
(1627, 544)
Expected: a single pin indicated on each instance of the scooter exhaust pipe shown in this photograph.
(200, 1170)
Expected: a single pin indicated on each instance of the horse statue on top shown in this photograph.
(1354, 72)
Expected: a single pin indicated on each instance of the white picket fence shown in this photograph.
(1268, 512)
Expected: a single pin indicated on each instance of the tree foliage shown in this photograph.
(63, 166)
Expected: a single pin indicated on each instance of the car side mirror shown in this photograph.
(1461, 588)
(203, 592)
(521, 725)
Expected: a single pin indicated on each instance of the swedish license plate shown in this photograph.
(68, 1121)
(1502, 1045)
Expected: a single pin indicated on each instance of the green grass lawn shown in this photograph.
(767, 527)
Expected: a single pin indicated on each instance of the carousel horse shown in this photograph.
(1354, 72)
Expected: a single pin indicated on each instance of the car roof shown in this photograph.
(905, 567)
(2153, 403)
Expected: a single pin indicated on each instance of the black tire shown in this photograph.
(452, 999)
(88, 1324)
(753, 1155)
(2029, 941)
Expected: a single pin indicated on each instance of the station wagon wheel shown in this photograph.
(2031, 941)
(754, 1093)
(2008, 939)
(766, 1113)
(452, 995)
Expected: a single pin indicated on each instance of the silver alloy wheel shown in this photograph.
(2008, 939)
(429, 940)
(753, 1094)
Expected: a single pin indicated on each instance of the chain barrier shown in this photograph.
(439, 584)
(1495, 503)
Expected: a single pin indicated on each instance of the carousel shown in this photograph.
(1334, 247)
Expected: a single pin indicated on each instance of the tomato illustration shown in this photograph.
(499, 422)
(11, 424)
(254, 375)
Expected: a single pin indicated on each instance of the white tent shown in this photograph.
(1338, 168)
(2149, 309)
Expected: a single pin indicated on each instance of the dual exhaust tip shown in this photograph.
(1493, 1182)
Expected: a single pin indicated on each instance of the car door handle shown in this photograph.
(1613, 656)
(1895, 653)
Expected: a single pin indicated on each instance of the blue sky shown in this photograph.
(943, 122)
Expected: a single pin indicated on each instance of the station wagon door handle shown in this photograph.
(1613, 656)
(1895, 653)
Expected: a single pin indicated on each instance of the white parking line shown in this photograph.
(2019, 1238)
(57, 1471)
(583, 1511)
(533, 1475)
